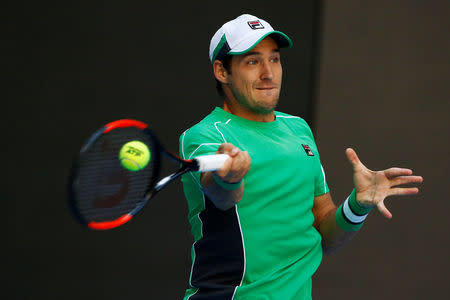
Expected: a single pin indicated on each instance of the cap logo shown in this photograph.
(255, 24)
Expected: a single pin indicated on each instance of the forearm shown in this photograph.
(338, 225)
(333, 236)
(224, 196)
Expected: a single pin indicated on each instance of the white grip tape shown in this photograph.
(212, 162)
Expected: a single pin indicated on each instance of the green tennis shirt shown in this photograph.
(265, 247)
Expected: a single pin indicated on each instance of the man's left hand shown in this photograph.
(372, 187)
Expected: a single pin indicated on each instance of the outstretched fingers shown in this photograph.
(399, 191)
(383, 210)
(394, 172)
(403, 191)
(405, 180)
(353, 159)
(374, 186)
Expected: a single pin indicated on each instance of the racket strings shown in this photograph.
(104, 189)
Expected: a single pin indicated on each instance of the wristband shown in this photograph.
(350, 215)
(227, 185)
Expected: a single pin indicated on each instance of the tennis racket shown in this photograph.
(105, 191)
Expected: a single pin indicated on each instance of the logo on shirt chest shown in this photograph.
(307, 150)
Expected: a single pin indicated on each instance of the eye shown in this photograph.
(252, 62)
(275, 59)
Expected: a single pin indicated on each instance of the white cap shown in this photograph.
(240, 35)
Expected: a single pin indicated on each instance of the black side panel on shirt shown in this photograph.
(219, 255)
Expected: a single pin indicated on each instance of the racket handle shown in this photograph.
(212, 162)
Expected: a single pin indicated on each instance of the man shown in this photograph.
(262, 221)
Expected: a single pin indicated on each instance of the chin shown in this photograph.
(266, 108)
(269, 103)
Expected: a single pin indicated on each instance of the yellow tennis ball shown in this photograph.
(134, 155)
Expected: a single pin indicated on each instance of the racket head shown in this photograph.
(103, 194)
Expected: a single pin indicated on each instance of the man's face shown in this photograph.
(255, 77)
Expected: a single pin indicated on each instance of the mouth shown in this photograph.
(265, 88)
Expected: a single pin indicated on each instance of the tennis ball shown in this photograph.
(134, 155)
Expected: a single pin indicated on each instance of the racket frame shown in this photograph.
(154, 185)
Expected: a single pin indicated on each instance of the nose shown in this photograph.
(266, 71)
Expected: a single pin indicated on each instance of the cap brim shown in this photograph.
(282, 40)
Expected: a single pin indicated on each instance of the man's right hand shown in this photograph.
(232, 172)
(234, 168)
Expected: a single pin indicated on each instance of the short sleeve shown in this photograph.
(321, 186)
(197, 141)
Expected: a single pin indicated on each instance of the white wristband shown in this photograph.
(350, 215)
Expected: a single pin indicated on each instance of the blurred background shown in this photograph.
(372, 75)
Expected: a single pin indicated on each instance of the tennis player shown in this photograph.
(261, 223)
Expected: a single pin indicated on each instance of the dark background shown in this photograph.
(384, 90)
(373, 76)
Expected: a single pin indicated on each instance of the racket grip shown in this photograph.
(212, 162)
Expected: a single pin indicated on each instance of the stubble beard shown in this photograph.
(256, 106)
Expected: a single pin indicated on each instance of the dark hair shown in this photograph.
(226, 62)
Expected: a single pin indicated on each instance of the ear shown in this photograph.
(220, 72)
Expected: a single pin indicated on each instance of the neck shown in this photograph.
(245, 113)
